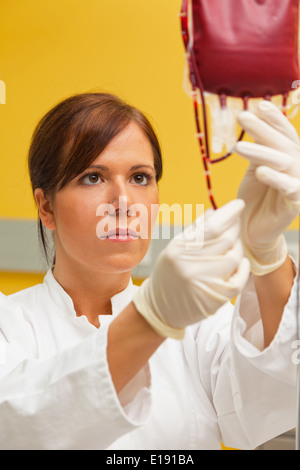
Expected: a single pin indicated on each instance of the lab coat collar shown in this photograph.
(63, 300)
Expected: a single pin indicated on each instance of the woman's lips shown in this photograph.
(119, 235)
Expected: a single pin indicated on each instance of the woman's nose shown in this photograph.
(120, 198)
(120, 203)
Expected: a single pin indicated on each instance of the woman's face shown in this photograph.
(104, 217)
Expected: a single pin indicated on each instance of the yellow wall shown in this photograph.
(51, 49)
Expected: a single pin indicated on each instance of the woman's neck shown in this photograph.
(90, 291)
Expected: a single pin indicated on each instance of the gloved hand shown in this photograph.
(192, 279)
(271, 186)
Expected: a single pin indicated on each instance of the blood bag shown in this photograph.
(237, 52)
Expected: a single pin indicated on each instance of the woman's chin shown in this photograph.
(119, 264)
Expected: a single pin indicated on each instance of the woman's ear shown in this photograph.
(45, 209)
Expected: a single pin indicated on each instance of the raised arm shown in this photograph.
(273, 291)
(196, 274)
(271, 191)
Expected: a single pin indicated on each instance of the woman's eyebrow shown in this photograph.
(137, 167)
(99, 167)
(134, 167)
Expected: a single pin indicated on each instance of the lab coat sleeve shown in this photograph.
(261, 398)
(251, 390)
(67, 401)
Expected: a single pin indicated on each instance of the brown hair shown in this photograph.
(73, 133)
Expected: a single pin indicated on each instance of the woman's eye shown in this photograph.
(91, 178)
(140, 179)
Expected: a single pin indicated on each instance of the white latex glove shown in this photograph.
(192, 279)
(271, 186)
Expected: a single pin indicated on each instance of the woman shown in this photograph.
(93, 362)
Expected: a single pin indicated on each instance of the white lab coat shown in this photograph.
(214, 386)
